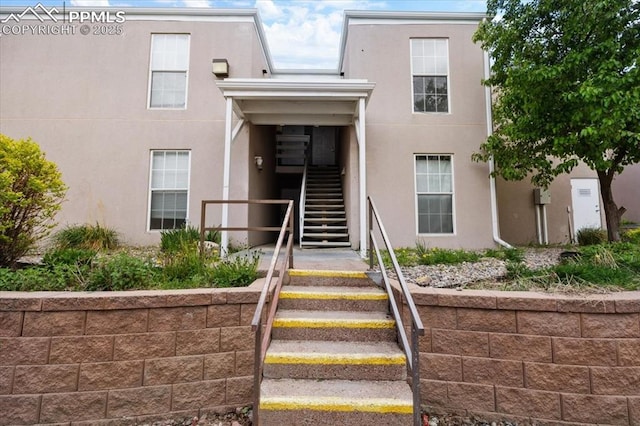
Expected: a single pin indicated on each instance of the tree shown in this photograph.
(566, 79)
(31, 191)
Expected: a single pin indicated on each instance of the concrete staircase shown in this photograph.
(333, 357)
(325, 219)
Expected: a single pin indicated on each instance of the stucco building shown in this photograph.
(142, 129)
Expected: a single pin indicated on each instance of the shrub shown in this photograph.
(68, 256)
(509, 254)
(185, 264)
(631, 236)
(174, 240)
(236, 271)
(31, 191)
(591, 236)
(92, 237)
(121, 272)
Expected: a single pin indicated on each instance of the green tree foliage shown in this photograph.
(31, 191)
(566, 76)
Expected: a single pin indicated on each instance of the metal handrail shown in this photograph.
(417, 329)
(263, 337)
(303, 200)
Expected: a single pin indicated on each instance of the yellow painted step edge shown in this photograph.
(287, 294)
(371, 405)
(326, 273)
(335, 359)
(335, 323)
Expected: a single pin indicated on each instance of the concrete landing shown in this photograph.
(333, 259)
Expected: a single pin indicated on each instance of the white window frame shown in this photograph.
(186, 71)
(447, 75)
(151, 189)
(417, 194)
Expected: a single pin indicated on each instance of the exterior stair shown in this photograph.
(333, 357)
(325, 219)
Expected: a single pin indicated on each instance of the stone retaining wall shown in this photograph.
(124, 356)
(534, 358)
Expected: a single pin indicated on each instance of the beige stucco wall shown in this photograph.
(516, 208)
(626, 192)
(84, 100)
(381, 53)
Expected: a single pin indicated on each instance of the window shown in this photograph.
(169, 189)
(168, 70)
(430, 71)
(434, 193)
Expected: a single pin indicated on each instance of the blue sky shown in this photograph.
(300, 33)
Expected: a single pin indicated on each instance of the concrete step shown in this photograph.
(333, 326)
(324, 244)
(305, 359)
(324, 212)
(304, 277)
(335, 402)
(324, 219)
(323, 207)
(315, 228)
(329, 298)
(325, 235)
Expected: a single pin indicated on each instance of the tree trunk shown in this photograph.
(613, 214)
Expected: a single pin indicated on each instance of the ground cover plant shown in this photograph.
(593, 266)
(89, 258)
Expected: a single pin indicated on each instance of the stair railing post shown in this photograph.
(415, 376)
(291, 232)
(370, 220)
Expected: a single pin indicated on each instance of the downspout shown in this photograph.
(492, 179)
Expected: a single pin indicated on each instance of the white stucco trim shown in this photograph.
(362, 171)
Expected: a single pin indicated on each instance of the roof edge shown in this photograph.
(401, 16)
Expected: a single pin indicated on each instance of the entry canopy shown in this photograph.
(278, 101)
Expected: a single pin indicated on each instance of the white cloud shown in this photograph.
(304, 34)
(90, 3)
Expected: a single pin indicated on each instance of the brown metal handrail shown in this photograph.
(262, 337)
(417, 329)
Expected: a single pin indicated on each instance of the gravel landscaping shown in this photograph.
(488, 269)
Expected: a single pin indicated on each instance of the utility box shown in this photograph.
(541, 196)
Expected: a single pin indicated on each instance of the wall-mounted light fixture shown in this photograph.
(220, 67)
(259, 161)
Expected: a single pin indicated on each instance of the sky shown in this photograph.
(301, 34)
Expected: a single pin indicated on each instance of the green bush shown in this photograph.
(31, 191)
(68, 256)
(591, 236)
(236, 271)
(175, 240)
(90, 237)
(58, 278)
(509, 254)
(631, 236)
(121, 272)
(185, 264)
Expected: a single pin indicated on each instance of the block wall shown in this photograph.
(124, 357)
(533, 358)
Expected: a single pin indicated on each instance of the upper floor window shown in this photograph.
(168, 71)
(430, 72)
